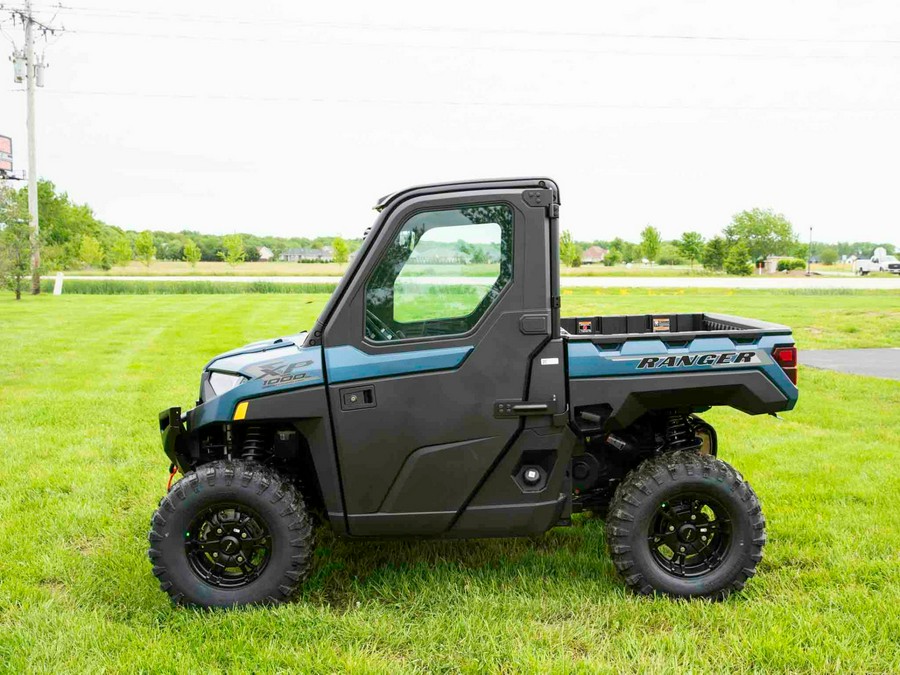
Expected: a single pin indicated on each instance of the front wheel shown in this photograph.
(231, 533)
(685, 525)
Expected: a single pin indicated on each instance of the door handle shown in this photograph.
(513, 408)
(354, 398)
(531, 408)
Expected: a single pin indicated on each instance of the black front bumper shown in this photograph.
(171, 427)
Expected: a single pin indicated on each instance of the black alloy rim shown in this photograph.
(228, 545)
(690, 535)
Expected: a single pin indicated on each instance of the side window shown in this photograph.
(441, 273)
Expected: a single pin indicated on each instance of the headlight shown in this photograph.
(222, 382)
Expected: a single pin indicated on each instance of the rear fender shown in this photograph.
(648, 374)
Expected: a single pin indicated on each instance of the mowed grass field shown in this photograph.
(312, 269)
(83, 377)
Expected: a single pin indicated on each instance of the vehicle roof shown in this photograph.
(477, 184)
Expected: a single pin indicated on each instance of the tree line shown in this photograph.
(72, 237)
(748, 239)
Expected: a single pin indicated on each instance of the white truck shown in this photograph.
(879, 262)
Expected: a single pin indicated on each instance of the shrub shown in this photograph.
(789, 264)
(670, 255)
(829, 256)
(738, 261)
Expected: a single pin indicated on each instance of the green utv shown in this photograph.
(440, 394)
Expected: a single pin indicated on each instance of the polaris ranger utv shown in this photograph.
(440, 394)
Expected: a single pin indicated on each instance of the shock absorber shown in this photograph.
(679, 434)
(254, 444)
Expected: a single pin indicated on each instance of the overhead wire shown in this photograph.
(269, 39)
(461, 103)
(124, 13)
(135, 14)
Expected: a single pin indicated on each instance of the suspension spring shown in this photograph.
(679, 433)
(254, 444)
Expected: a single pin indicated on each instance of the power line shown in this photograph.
(465, 103)
(119, 13)
(464, 48)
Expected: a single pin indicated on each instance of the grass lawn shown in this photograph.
(251, 269)
(81, 381)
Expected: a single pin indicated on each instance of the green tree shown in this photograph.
(15, 247)
(613, 257)
(738, 260)
(714, 254)
(479, 256)
(192, 252)
(63, 224)
(90, 252)
(629, 251)
(144, 247)
(234, 252)
(829, 255)
(651, 242)
(763, 231)
(569, 254)
(251, 253)
(669, 254)
(691, 246)
(341, 250)
(120, 252)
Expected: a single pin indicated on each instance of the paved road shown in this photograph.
(756, 282)
(874, 362)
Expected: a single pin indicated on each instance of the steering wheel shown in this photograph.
(378, 330)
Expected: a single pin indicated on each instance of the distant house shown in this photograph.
(324, 254)
(594, 254)
(265, 254)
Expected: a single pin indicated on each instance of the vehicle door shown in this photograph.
(439, 325)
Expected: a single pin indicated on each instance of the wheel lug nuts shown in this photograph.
(243, 535)
(703, 538)
(240, 559)
(681, 549)
(215, 555)
(219, 531)
(671, 528)
(693, 517)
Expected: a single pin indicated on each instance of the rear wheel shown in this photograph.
(231, 533)
(686, 525)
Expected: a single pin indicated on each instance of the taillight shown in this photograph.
(786, 357)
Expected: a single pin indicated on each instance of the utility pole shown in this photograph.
(30, 73)
(809, 254)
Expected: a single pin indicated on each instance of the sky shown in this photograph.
(291, 118)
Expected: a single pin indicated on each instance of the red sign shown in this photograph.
(6, 153)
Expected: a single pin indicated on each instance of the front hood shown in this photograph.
(241, 361)
(260, 368)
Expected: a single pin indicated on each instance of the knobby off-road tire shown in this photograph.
(655, 511)
(222, 513)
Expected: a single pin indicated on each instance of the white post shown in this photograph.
(57, 286)
(30, 72)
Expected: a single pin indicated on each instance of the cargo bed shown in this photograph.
(616, 328)
(621, 367)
